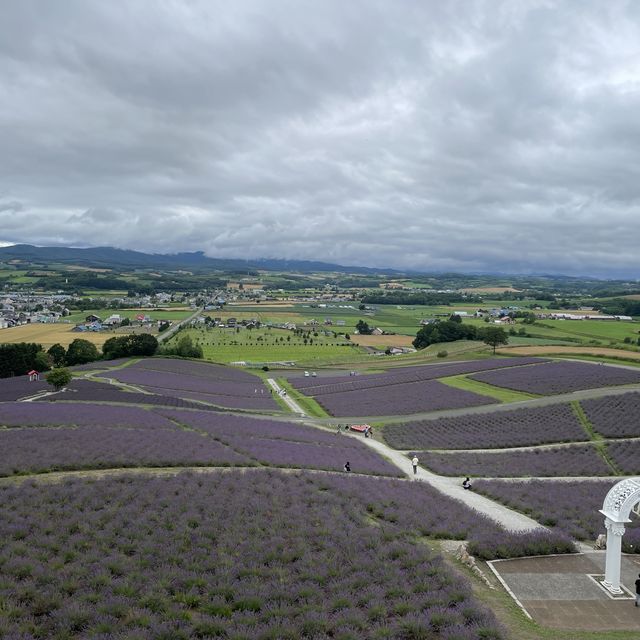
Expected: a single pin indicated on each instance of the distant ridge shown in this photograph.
(108, 257)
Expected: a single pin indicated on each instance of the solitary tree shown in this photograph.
(59, 378)
(494, 337)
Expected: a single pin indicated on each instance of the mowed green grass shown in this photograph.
(266, 345)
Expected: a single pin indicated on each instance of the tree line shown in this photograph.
(454, 329)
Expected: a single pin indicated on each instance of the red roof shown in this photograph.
(30, 373)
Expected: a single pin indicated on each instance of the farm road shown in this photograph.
(290, 402)
(452, 488)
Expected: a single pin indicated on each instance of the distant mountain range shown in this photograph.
(108, 257)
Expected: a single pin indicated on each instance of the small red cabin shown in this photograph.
(33, 375)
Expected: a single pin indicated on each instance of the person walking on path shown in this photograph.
(414, 462)
(638, 591)
(347, 467)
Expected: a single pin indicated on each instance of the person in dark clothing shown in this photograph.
(466, 483)
(347, 467)
(638, 591)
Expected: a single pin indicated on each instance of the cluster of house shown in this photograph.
(95, 323)
(21, 308)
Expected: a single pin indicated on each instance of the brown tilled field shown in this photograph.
(383, 341)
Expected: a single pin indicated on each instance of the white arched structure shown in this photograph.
(617, 507)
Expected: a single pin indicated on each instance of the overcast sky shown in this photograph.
(425, 134)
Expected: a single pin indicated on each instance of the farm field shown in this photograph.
(570, 350)
(50, 334)
(571, 507)
(241, 569)
(195, 380)
(515, 428)
(242, 479)
(173, 315)
(404, 390)
(227, 345)
(559, 377)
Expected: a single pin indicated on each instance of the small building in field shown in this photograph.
(34, 375)
(92, 318)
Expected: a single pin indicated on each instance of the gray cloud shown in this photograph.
(488, 135)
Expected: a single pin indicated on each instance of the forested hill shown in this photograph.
(108, 257)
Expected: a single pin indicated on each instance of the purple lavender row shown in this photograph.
(626, 456)
(577, 460)
(307, 455)
(196, 369)
(614, 416)
(559, 377)
(45, 450)
(100, 364)
(178, 381)
(23, 414)
(572, 507)
(285, 444)
(121, 397)
(403, 399)
(500, 429)
(221, 424)
(222, 556)
(258, 401)
(320, 386)
(20, 387)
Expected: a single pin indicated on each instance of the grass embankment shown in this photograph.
(598, 441)
(309, 405)
(484, 389)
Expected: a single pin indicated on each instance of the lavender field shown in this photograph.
(284, 444)
(626, 456)
(216, 384)
(614, 416)
(400, 399)
(340, 384)
(190, 557)
(45, 450)
(421, 509)
(499, 429)
(558, 377)
(572, 507)
(572, 460)
(34, 414)
(90, 391)
(20, 387)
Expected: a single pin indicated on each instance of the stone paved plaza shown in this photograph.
(559, 592)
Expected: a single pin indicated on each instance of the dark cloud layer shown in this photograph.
(460, 135)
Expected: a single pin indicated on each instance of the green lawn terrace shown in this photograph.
(264, 345)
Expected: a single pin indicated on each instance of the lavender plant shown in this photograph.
(498, 429)
(558, 377)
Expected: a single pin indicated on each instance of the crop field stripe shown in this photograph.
(585, 423)
(598, 440)
(484, 389)
(185, 427)
(312, 408)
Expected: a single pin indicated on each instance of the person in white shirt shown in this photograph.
(414, 462)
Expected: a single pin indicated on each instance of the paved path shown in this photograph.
(165, 335)
(452, 487)
(290, 402)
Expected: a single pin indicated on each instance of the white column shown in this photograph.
(615, 531)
